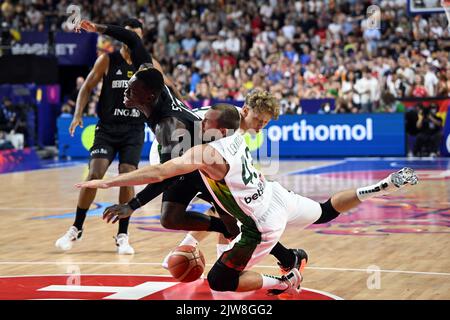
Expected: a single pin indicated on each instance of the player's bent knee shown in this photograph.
(167, 221)
(328, 213)
(223, 278)
(170, 220)
(95, 175)
(124, 168)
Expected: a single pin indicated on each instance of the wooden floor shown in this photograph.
(396, 247)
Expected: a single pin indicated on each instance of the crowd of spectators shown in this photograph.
(296, 49)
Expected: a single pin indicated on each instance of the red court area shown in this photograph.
(129, 287)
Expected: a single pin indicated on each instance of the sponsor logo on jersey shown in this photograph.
(119, 84)
(259, 192)
(130, 74)
(133, 113)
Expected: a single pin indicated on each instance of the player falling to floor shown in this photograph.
(264, 208)
(120, 130)
(259, 108)
(174, 125)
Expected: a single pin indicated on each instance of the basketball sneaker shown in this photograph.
(123, 246)
(293, 279)
(66, 241)
(301, 259)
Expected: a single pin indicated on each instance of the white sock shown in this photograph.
(272, 282)
(381, 188)
(221, 249)
(189, 240)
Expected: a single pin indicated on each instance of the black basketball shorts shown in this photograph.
(126, 141)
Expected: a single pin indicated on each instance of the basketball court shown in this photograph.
(394, 247)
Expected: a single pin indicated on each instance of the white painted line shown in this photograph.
(335, 297)
(209, 264)
(72, 288)
(386, 271)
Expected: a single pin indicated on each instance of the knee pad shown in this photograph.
(328, 213)
(223, 278)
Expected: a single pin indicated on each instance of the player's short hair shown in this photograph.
(263, 102)
(152, 79)
(229, 116)
(132, 23)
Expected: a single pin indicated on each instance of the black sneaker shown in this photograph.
(301, 259)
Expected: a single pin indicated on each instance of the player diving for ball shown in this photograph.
(263, 208)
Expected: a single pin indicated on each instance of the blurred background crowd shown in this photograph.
(295, 49)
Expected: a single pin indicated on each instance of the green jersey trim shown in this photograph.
(250, 233)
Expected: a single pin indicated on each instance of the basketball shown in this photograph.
(186, 263)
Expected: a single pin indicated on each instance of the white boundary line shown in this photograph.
(330, 295)
(333, 296)
(209, 264)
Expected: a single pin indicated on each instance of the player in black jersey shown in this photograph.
(165, 114)
(120, 130)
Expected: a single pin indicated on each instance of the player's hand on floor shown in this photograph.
(116, 212)
(94, 184)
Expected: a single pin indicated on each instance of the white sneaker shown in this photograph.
(293, 279)
(123, 246)
(66, 241)
(165, 263)
(398, 180)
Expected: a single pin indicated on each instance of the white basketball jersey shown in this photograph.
(243, 192)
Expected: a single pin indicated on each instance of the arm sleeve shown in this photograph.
(139, 54)
(150, 192)
(153, 190)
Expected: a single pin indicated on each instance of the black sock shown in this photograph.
(283, 254)
(123, 225)
(79, 218)
(217, 225)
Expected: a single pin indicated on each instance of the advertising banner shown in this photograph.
(290, 137)
(70, 48)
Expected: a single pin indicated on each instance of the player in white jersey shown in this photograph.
(259, 108)
(263, 208)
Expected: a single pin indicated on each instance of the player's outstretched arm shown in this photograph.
(139, 54)
(152, 174)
